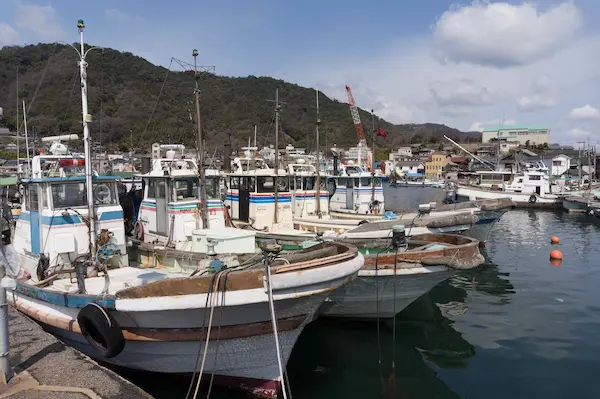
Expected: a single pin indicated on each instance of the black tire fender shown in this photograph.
(363, 222)
(532, 199)
(101, 330)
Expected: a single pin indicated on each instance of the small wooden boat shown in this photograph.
(392, 279)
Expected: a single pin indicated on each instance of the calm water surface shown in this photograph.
(516, 327)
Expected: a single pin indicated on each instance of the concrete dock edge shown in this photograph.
(45, 367)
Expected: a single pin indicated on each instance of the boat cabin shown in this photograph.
(251, 199)
(303, 180)
(356, 191)
(52, 229)
(170, 208)
(493, 178)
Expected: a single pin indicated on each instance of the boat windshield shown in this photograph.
(74, 195)
(186, 189)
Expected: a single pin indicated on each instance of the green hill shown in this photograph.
(123, 93)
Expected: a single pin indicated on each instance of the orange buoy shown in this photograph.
(555, 262)
(555, 240)
(556, 254)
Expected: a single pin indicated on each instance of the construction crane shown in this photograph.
(362, 142)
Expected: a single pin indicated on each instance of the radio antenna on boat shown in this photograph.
(86, 119)
(26, 138)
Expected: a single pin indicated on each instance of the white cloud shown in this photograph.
(41, 20)
(502, 34)
(479, 126)
(539, 96)
(587, 112)
(459, 92)
(8, 36)
(535, 102)
(114, 15)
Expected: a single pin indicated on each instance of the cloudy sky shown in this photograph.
(467, 65)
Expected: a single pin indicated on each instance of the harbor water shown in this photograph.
(515, 327)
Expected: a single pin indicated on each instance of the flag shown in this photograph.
(381, 133)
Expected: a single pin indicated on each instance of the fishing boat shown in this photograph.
(164, 305)
(531, 188)
(397, 271)
(356, 192)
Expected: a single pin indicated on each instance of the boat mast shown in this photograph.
(276, 180)
(318, 178)
(200, 146)
(26, 137)
(18, 105)
(373, 158)
(86, 118)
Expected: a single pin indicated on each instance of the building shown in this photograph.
(525, 135)
(560, 164)
(413, 167)
(434, 166)
(402, 152)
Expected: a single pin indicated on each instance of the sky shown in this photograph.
(467, 65)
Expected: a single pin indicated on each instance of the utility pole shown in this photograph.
(200, 142)
(318, 168)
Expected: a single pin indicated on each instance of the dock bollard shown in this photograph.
(6, 372)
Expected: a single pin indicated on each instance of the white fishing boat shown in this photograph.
(355, 192)
(531, 188)
(184, 308)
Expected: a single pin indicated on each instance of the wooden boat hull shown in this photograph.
(382, 290)
(165, 320)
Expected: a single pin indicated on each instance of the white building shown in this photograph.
(560, 164)
(533, 135)
(402, 152)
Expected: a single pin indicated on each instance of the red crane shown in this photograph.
(355, 117)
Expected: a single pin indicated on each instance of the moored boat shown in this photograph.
(398, 271)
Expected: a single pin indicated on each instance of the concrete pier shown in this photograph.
(45, 367)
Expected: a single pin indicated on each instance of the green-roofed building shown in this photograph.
(522, 134)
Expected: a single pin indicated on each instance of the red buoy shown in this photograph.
(555, 240)
(556, 254)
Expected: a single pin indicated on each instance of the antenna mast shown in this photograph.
(86, 119)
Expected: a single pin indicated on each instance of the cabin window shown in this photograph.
(297, 183)
(365, 181)
(151, 189)
(282, 184)
(343, 182)
(161, 189)
(265, 185)
(32, 200)
(186, 189)
(378, 182)
(535, 177)
(355, 182)
(309, 183)
(212, 188)
(234, 183)
(74, 195)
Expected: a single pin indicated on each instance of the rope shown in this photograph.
(377, 315)
(156, 103)
(274, 323)
(207, 339)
